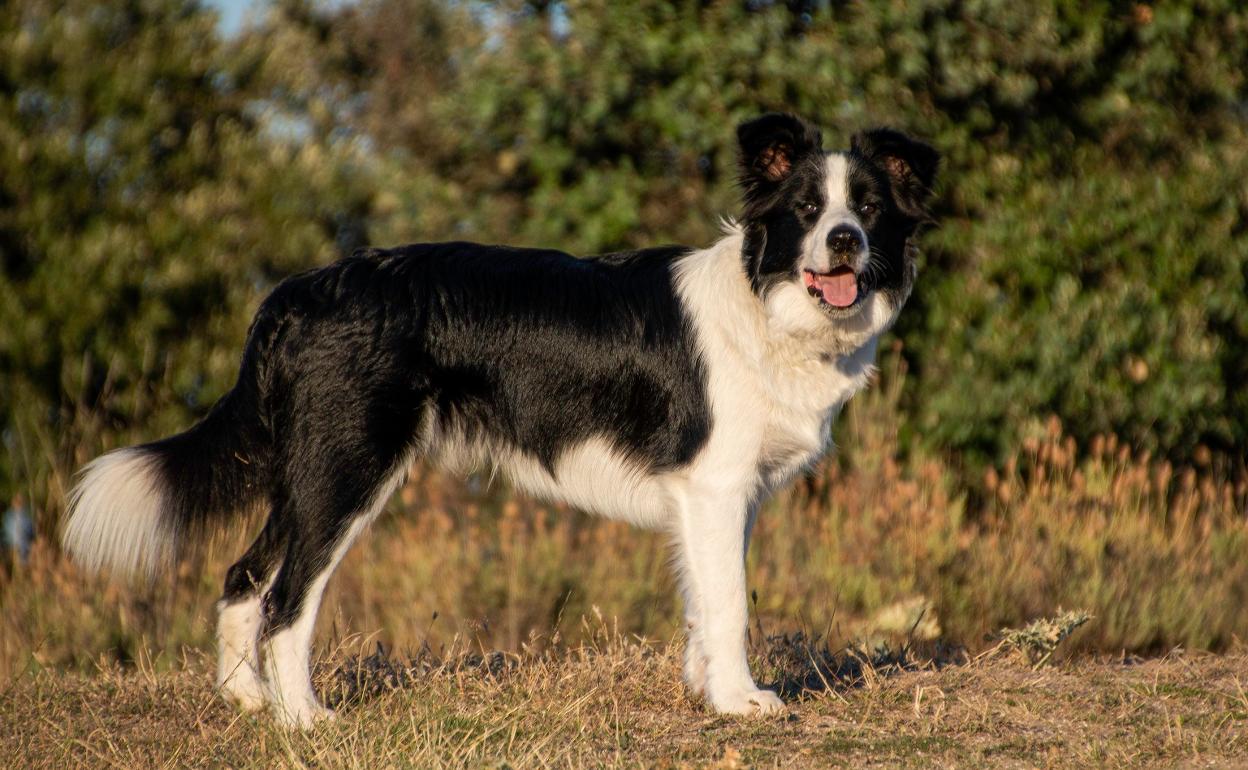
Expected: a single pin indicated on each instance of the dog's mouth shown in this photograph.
(838, 288)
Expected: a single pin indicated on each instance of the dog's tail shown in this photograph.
(133, 508)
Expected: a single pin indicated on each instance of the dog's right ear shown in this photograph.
(771, 147)
(909, 164)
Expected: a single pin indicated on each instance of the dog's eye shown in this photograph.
(867, 209)
(806, 207)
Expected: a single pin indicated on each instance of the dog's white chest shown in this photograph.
(805, 398)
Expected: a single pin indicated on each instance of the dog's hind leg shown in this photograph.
(319, 536)
(239, 619)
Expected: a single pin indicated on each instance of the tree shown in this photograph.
(145, 205)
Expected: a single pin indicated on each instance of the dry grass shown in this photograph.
(616, 701)
(879, 539)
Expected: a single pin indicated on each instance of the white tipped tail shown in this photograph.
(116, 515)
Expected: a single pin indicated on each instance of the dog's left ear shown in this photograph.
(910, 165)
(772, 146)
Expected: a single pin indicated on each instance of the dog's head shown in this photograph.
(828, 235)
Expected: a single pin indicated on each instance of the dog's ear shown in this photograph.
(909, 164)
(771, 147)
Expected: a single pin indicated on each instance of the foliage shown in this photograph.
(1039, 639)
(155, 180)
(142, 207)
(1095, 225)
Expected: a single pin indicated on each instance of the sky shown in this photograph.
(232, 13)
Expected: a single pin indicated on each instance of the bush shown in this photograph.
(155, 181)
(1091, 260)
(1113, 299)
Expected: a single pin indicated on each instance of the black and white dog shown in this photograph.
(674, 388)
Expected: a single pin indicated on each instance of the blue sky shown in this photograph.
(232, 13)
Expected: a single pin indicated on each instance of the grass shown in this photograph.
(1040, 638)
(881, 546)
(617, 701)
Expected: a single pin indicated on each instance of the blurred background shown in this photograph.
(1061, 418)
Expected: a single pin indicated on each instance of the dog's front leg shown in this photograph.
(712, 547)
(695, 655)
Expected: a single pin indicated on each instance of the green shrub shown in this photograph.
(155, 181)
(142, 212)
(1091, 257)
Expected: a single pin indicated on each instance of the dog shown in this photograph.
(675, 388)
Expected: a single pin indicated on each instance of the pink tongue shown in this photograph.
(840, 288)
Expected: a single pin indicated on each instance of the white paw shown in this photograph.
(244, 690)
(748, 702)
(301, 715)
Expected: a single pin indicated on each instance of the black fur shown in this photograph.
(349, 370)
(534, 360)
(781, 166)
(783, 177)
(909, 165)
(347, 365)
(773, 149)
(895, 174)
(222, 463)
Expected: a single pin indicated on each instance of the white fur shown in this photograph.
(836, 212)
(286, 662)
(594, 476)
(115, 515)
(778, 369)
(238, 650)
(778, 373)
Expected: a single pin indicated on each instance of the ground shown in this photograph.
(619, 702)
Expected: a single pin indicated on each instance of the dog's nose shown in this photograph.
(844, 241)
